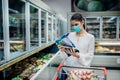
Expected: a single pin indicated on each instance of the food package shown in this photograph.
(79, 74)
(16, 78)
(65, 42)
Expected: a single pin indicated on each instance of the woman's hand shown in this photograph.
(72, 52)
(61, 48)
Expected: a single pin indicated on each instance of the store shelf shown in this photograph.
(44, 66)
(106, 45)
(92, 22)
(107, 53)
(93, 28)
(111, 43)
(6, 65)
(14, 25)
(109, 48)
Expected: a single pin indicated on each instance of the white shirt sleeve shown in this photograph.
(86, 58)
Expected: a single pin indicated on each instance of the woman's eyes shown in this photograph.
(75, 25)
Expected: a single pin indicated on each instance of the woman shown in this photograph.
(83, 41)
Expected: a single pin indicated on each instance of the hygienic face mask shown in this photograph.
(76, 28)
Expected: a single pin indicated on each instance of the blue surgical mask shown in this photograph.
(76, 28)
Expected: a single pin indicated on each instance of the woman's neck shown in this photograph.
(81, 33)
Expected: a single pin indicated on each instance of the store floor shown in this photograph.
(113, 74)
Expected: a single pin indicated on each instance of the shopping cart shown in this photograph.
(95, 73)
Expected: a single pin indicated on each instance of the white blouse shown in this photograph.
(85, 45)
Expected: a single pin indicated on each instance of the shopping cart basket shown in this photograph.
(73, 74)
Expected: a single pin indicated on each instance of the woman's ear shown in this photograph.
(83, 22)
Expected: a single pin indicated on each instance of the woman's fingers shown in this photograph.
(67, 50)
(72, 52)
(60, 48)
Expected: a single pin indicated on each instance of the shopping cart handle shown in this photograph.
(105, 72)
(59, 67)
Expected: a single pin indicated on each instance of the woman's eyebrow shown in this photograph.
(74, 24)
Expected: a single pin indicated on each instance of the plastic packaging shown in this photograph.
(64, 41)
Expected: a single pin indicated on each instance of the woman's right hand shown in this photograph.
(61, 48)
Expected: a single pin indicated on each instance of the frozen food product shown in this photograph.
(65, 42)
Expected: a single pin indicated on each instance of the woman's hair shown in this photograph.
(78, 17)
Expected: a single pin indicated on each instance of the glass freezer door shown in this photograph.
(43, 27)
(17, 27)
(109, 27)
(33, 27)
(54, 29)
(49, 27)
(93, 26)
(1, 34)
(119, 27)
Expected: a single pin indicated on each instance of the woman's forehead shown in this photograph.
(74, 21)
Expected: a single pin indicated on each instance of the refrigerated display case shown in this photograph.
(35, 66)
(49, 72)
(107, 53)
(103, 28)
(29, 67)
(24, 29)
(27, 27)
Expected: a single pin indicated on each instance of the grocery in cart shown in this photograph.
(81, 73)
